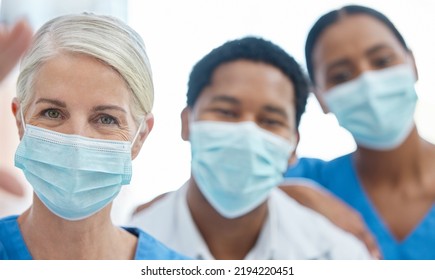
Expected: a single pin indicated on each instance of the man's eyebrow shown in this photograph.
(225, 98)
(51, 101)
(276, 110)
(108, 107)
(338, 63)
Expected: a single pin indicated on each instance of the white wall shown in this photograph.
(178, 33)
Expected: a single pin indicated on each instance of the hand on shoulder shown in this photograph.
(335, 210)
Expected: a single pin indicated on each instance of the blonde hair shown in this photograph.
(103, 37)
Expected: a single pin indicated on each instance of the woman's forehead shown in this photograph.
(351, 34)
(79, 77)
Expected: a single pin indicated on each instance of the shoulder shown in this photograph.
(3, 254)
(341, 160)
(149, 248)
(162, 207)
(304, 166)
(12, 245)
(5, 234)
(149, 203)
(8, 219)
(287, 208)
(159, 218)
(319, 170)
(313, 235)
(7, 225)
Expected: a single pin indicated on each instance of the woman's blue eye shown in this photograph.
(107, 120)
(52, 114)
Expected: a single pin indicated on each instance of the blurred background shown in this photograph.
(179, 33)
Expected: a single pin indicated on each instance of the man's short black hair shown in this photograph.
(253, 49)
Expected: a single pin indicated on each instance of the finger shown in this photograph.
(371, 245)
(356, 226)
(10, 184)
(12, 46)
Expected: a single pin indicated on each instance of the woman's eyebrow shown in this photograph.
(108, 107)
(51, 101)
(377, 48)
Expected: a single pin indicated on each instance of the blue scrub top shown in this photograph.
(13, 247)
(339, 176)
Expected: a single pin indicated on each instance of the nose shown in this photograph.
(362, 67)
(252, 117)
(248, 117)
(77, 125)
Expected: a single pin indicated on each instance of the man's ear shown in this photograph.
(143, 134)
(293, 158)
(15, 106)
(185, 115)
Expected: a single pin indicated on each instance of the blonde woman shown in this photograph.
(83, 111)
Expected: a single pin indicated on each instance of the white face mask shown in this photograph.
(377, 108)
(236, 165)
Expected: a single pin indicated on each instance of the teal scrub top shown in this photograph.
(340, 177)
(13, 247)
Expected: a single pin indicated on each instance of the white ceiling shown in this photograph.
(39, 11)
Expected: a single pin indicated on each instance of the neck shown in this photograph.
(50, 237)
(225, 238)
(401, 164)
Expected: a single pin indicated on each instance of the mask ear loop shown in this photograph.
(138, 131)
(23, 122)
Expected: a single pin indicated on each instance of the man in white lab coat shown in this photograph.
(244, 104)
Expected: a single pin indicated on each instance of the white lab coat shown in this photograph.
(291, 231)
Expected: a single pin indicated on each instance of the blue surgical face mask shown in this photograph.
(377, 108)
(236, 165)
(73, 176)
